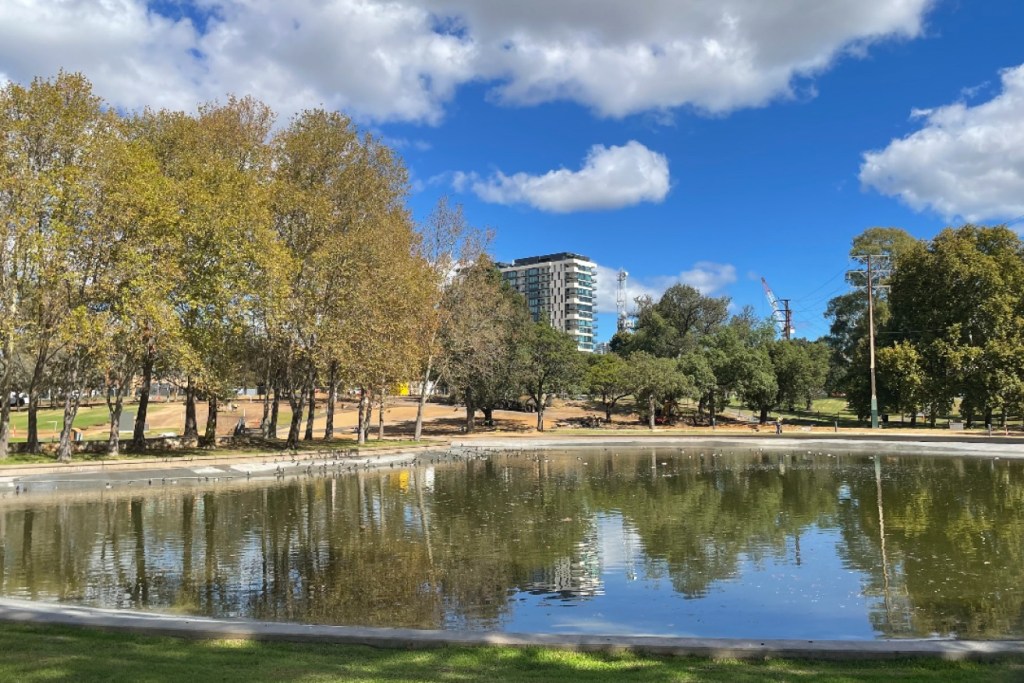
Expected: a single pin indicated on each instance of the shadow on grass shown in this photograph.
(36, 653)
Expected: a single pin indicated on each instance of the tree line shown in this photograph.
(215, 251)
(949, 325)
(686, 346)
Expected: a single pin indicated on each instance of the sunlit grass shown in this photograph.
(35, 654)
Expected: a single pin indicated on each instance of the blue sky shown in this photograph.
(711, 142)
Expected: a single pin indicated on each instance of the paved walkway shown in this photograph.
(21, 611)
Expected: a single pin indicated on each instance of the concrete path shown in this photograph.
(183, 471)
(20, 611)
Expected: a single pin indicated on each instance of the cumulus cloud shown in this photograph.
(965, 162)
(405, 59)
(610, 178)
(708, 277)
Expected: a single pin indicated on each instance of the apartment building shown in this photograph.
(561, 288)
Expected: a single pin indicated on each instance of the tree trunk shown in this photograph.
(275, 409)
(310, 413)
(210, 437)
(297, 401)
(712, 408)
(913, 418)
(332, 398)
(191, 433)
(360, 434)
(265, 420)
(5, 397)
(424, 393)
(540, 413)
(139, 433)
(763, 418)
(115, 407)
(368, 417)
(608, 413)
(71, 399)
(650, 411)
(32, 444)
(488, 415)
(32, 437)
(470, 418)
(380, 413)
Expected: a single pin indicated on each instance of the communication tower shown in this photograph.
(625, 323)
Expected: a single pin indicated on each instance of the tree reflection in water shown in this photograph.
(935, 545)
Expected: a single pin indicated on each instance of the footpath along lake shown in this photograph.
(681, 541)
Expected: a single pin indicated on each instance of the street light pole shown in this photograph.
(871, 345)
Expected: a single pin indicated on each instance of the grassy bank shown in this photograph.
(32, 654)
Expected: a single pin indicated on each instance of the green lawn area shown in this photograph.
(87, 416)
(31, 654)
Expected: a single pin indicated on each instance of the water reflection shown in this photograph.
(684, 542)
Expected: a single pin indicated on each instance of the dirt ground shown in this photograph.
(399, 418)
(440, 420)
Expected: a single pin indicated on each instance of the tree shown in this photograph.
(848, 332)
(957, 301)
(446, 244)
(478, 346)
(731, 353)
(674, 325)
(49, 133)
(758, 386)
(134, 223)
(607, 376)
(547, 361)
(217, 164)
(801, 368)
(900, 369)
(655, 381)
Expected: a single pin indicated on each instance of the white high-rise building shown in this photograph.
(560, 287)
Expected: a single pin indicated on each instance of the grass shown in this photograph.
(87, 416)
(32, 654)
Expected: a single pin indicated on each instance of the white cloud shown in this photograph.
(405, 59)
(610, 178)
(965, 162)
(708, 277)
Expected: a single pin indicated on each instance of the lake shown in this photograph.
(682, 541)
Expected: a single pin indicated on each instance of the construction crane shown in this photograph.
(625, 324)
(781, 314)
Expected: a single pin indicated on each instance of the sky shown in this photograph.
(708, 142)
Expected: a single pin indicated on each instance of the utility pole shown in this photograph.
(870, 273)
(787, 315)
(871, 344)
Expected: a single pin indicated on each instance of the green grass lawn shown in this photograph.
(31, 654)
(87, 416)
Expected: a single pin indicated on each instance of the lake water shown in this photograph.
(666, 541)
